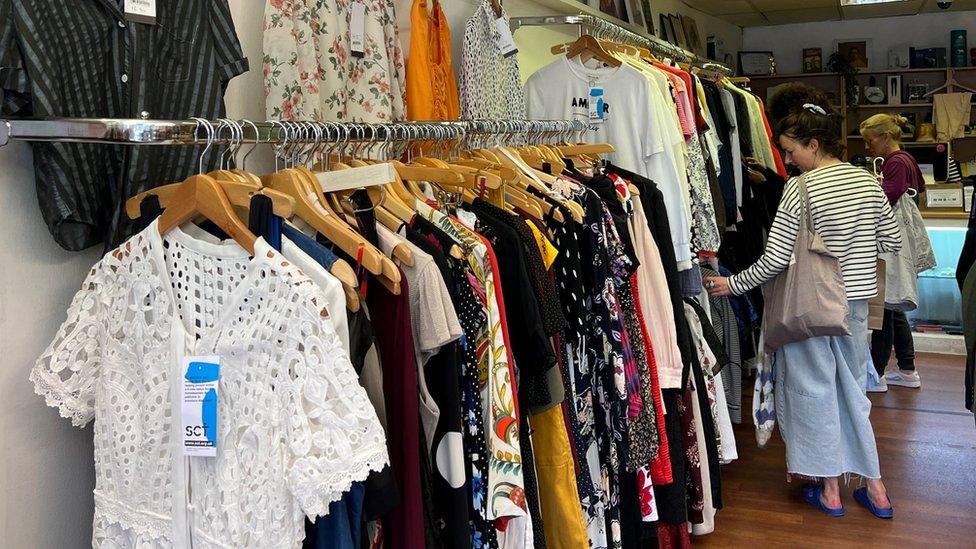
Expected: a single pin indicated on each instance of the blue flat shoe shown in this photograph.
(861, 496)
(812, 493)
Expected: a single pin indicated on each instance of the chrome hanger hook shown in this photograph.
(210, 140)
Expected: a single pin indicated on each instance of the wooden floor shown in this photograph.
(927, 444)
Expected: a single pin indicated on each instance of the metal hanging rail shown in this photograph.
(136, 131)
(601, 28)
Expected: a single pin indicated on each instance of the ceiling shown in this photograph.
(755, 13)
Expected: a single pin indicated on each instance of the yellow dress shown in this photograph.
(431, 88)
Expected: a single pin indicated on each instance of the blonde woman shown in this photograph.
(882, 136)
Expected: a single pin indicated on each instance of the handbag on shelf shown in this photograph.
(809, 298)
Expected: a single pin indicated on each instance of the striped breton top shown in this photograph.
(853, 217)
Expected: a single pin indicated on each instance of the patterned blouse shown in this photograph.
(311, 73)
(506, 487)
(490, 85)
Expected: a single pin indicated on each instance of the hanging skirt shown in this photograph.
(821, 406)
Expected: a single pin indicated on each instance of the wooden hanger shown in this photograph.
(202, 195)
(589, 149)
(238, 193)
(382, 204)
(389, 273)
(539, 181)
(472, 178)
(589, 46)
(288, 181)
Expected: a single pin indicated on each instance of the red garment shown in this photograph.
(901, 172)
(390, 314)
(700, 123)
(661, 465)
(693, 456)
(500, 298)
(777, 157)
(673, 536)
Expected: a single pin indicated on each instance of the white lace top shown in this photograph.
(295, 428)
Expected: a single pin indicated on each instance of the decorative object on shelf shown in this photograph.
(927, 58)
(812, 60)
(648, 16)
(893, 89)
(936, 197)
(959, 45)
(679, 31)
(715, 48)
(839, 63)
(856, 52)
(908, 130)
(898, 57)
(925, 133)
(873, 93)
(757, 63)
(916, 91)
(690, 27)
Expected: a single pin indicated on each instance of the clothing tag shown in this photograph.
(506, 42)
(357, 29)
(141, 11)
(201, 375)
(596, 105)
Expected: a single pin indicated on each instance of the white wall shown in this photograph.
(928, 30)
(46, 468)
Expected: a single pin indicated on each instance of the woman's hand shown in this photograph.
(717, 286)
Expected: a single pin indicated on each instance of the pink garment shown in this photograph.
(656, 301)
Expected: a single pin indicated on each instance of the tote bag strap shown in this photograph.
(805, 219)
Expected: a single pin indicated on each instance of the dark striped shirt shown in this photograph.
(852, 215)
(81, 58)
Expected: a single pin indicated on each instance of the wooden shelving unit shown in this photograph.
(962, 149)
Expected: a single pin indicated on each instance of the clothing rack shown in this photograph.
(133, 131)
(601, 28)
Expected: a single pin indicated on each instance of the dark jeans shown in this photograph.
(894, 332)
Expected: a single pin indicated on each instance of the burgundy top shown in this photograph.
(901, 172)
(404, 527)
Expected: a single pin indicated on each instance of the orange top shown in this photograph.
(431, 87)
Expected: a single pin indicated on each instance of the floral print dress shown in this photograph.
(310, 72)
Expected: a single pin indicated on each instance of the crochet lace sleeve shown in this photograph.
(335, 437)
(65, 373)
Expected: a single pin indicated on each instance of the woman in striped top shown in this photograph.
(821, 404)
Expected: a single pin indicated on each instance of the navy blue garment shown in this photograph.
(322, 255)
(342, 527)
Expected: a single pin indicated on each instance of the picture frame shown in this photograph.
(665, 28)
(756, 63)
(610, 8)
(915, 92)
(857, 51)
(636, 12)
(648, 17)
(812, 60)
(690, 27)
(679, 31)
